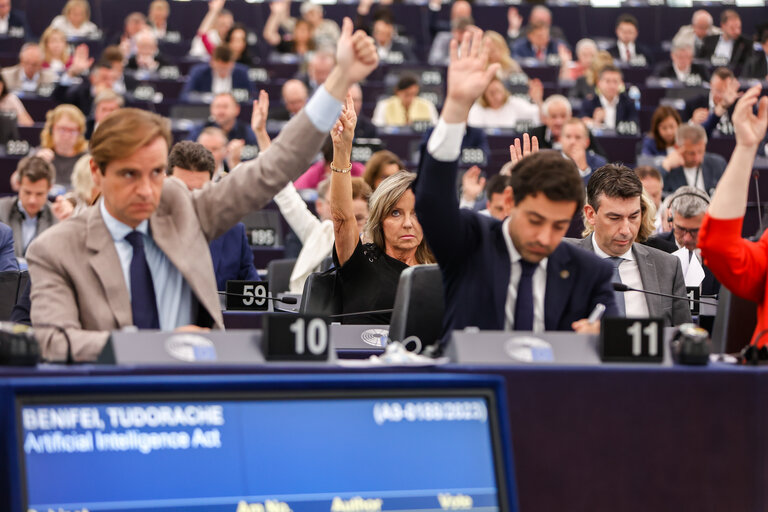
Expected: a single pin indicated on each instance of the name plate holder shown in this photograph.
(632, 340)
(247, 296)
(291, 337)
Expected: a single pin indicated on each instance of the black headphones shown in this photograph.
(701, 195)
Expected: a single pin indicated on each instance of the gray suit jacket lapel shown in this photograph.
(102, 259)
(649, 277)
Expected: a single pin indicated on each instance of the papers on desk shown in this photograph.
(394, 354)
(692, 269)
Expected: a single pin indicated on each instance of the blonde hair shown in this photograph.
(74, 3)
(54, 116)
(602, 59)
(484, 102)
(124, 132)
(508, 64)
(82, 181)
(383, 201)
(50, 31)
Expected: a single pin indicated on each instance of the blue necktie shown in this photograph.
(143, 302)
(524, 301)
(616, 261)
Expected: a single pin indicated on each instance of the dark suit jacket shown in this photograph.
(200, 80)
(404, 50)
(756, 67)
(594, 161)
(232, 257)
(18, 19)
(11, 215)
(666, 242)
(712, 169)
(625, 109)
(523, 49)
(555, 33)
(742, 49)
(7, 257)
(473, 138)
(365, 129)
(540, 132)
(78, 95)
(667, 70)
(475, 263)
(640, 49)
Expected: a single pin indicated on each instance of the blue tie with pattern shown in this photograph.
(143, 301)
(524, 301)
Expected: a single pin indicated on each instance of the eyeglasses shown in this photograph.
(680, 231)
(66, 129)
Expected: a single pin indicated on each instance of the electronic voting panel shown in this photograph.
(302, 450)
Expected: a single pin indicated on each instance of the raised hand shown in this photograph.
(81, 61)
(356, 54)
(468, 75)
(260, 112)
(529, 146)
(514, 20)
(343, 132)
(216, 5)
(748, 127)
(472, 184)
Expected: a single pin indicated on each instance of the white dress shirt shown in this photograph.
(694, 177)
(539, 285)
(623, 51)
(4, 24)
(635, 302)
(221, 85)
(28, 226)
(724, 48)
(610, 111)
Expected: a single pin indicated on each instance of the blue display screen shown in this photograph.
(303, 454)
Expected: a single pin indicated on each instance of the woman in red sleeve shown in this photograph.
(740, 265)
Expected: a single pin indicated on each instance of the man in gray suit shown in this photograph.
(615, 216)
(140, 256)
(28, 75)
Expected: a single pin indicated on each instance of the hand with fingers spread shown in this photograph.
(529, 146)
(472, 184)
(468, 75)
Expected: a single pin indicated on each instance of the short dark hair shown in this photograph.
(659, 116)
(626, 18)
(550, 173)
(728, 14)
(610, 68)
(648, 171)
(35, 169)
(613, 180)
(191, 156)
(405, 81)
(112, 54)
(222, 53)
(723, 73)
(496, 185)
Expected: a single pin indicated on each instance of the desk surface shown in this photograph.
(611, 437)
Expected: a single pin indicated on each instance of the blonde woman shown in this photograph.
(62, 141)
(368, 273)
(499, 52)
(56, 55)
(75, 20)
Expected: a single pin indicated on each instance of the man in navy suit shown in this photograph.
(222, 74)
(13, 23)
(730, 48)
(693, 166)
(514, 274)
(537, 44)
(611, 108)
(7, 256)
(627, 50)
(232, 257)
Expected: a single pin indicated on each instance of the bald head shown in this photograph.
(540, 15)
(31, 59)
(461, 9)
(294, 94)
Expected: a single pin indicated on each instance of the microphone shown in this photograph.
(621, 287)
(358, 313)
(284, 300)
(756, 175)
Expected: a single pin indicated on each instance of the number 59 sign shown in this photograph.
(247, 295)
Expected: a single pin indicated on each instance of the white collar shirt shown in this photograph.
(539, 285)
(635, 303)
(610, 111)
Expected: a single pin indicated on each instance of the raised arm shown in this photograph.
(345, 228)
(278, 12)
(214, 8)
(259, 120)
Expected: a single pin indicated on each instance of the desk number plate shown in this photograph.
(632, 340)
(288, 337)
(247, 295)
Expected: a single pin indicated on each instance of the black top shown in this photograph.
(368, 281)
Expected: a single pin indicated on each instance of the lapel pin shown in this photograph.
(564, 274)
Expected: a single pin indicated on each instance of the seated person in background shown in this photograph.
(616, 216)
(702, 25)
(172, 284)
(212, 30)
(513, 274)
(381, 166)
(134, 23)
(7, 256)
(157, 18)
(653, 184)
(84, 190)
(585, 87)
(473, 187)
(540, 14)
(661, 139)
(627, 50)
(237, 41)
(537, 45)
(686, 210)
(75, 20)
(437, 25)
(319, 65)
(369, 272)
(102, 77)
(285, 34)
(496, 108)
(13, 22)
(390, 51)
(713, 110)
(690, 164)
(499, 53)
(231, 254)
(611, 107)
(106, 102)
(28, 75)
(215, 140)
(11, 105)
(439, 53)
(405, 107)
(586, 51)
(62, 141)
(321, 170)
(757, 65)
(730, 48)
(575, 140)
(147, 57)
(224, 114)
(29, 213)
(364, 129)
(555, 112)
(681, 67)
(294, 96)
(56, 54)
(324, 31)
(222, 74)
